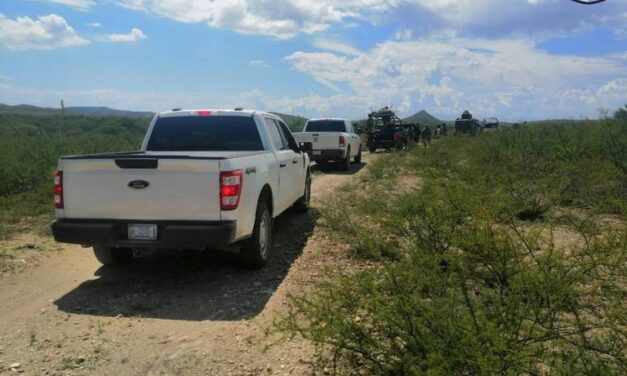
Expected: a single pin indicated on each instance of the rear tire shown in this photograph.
(358, 156)
(372, 149)
(302, 205)
(346, 163)
(256, 249)
(113, 256)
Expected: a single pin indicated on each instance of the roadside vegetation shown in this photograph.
(30, 144)
(503, 253)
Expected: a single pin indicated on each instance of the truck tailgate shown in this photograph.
(320, 140)
(178, 189)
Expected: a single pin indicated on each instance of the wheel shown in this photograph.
(372, 149)
(256, 249)
(358, 156)
(302, 205)
(113, 256)
(346, 163)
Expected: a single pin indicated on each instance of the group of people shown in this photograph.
(426, 135)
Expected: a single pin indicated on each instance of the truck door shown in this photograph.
(284, 164)
(297, 165)
(355, 140)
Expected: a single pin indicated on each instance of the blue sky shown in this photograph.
(520, 59)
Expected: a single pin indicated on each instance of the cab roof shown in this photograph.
(327, 119)
(213, 112)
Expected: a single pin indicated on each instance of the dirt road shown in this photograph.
(188, 313)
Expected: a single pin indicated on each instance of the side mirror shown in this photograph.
(306, 147)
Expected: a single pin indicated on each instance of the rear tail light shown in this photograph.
(230, 189)
(58, 189)
(342, 141)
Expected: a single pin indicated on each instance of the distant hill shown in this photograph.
(296, 123)
(422, 117)
(82, 110)
(106, 111)
(26, 108)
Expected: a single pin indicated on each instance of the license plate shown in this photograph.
(142, 231)
(317, 152)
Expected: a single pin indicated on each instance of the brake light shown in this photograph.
(342, 141)
(58, 189)
(230, 189)
(204, 113)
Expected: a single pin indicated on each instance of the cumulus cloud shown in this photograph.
(94, 24)
(44, 33)
(132, 36)
(78, 4)
(508, 78)
(287, 18)
(277, 18)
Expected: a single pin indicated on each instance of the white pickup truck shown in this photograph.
(202, 179)
(332, 140)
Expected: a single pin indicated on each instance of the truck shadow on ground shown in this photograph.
(335, 168)
(192, 285)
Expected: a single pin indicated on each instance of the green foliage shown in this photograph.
(621, 113)
(495, 262)
(31, 143)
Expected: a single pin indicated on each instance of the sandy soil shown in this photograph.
(188, 313)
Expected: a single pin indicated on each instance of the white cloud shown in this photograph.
(132, 36)
(335, 46)
(287, 18)
(44, 33)
(507, 78)
(258, 63)
(94, 24)
(131, 4)
(277, 18)
(78, 4)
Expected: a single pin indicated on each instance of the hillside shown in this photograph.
(422, 117)
(78, 110)
(106, 111)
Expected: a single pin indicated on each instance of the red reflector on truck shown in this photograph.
(342, 141)
(230, 189)
(58, 189)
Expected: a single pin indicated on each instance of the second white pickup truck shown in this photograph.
(332, 140)
(203, 178)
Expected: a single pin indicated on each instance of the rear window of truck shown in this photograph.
(326, 126)
(205, 133)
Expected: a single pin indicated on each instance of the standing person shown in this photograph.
(444, 129)
(426, 135)
(438, 131)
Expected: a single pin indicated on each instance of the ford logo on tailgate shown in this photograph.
(138, 184)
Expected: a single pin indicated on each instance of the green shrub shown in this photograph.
(495, 264)
(30, 145)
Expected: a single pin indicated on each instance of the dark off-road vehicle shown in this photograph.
(386, 131)
(466, 124)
